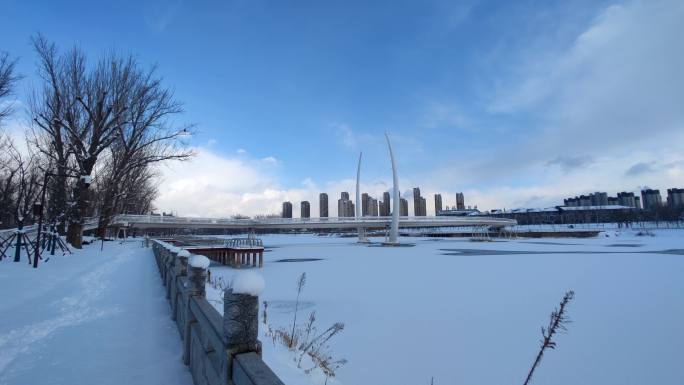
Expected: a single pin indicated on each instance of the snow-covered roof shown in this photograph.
(606, 207)
(534, 210)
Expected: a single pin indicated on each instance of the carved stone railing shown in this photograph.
(219, 349)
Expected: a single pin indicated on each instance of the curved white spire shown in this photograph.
(358, 191)
(394, 228)
(361, 230)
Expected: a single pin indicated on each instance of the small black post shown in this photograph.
(40, 219)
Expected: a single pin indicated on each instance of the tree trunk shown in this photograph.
(107, 208)
(75, 235)
(75, 230)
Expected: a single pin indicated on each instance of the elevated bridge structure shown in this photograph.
(166, 222)
(144, 222)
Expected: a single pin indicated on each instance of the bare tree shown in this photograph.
(115, 111)
(145, 138)
(19, 184)
(48, 135)
(8, 176)
(8, 172)
(8, 79)
(557, 323)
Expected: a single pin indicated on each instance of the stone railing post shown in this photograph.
(240, 324)
(197, 279)
(182, 265)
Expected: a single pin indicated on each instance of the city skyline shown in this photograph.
(519, 104)
(371, 206)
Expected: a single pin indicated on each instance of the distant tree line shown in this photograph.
(110, 119)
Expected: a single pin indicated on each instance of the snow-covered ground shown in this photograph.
(88, 318)
(458, 311)
(470, 312)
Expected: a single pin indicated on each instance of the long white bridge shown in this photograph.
(167, 222)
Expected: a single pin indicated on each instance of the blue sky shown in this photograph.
(515, 103)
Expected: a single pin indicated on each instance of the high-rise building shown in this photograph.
(403, 207)
(626, 199)
(305, 211)
(438, 203)
(386, 207)
(323, 205)
(613, 201)
(381, 208)
(637, 202)
(418, 203)
(584, 200)
(599, 199)
(369, 206)
(675, 197)
(345, 207)
(571, 202)
(651, 199)
(287, 210)
(460, 201)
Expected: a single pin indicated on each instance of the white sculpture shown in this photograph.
(394, 227)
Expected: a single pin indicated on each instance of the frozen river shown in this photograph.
(468, 312)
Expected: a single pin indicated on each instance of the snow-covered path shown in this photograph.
(91, 317)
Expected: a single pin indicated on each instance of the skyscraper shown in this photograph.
(369, 206)
(386, 207)
(345, 207)
(403, 207)
(287, 210)
(416, 201)
(599, 198)
(438, 203)
(626, 199)
(305, 210)
(460, 201)
(651, 199)
(365, 204)
(323, 205)
(419, 208)
(675, 197)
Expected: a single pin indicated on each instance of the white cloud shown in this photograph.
(619, 83)
(212, 185)
(159, 14)
(608, 102)
(350, 138)
(270, 160)
(450, 115)
(241, 151)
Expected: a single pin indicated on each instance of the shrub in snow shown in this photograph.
(200, 261)
(307, 343)
(248, 282)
